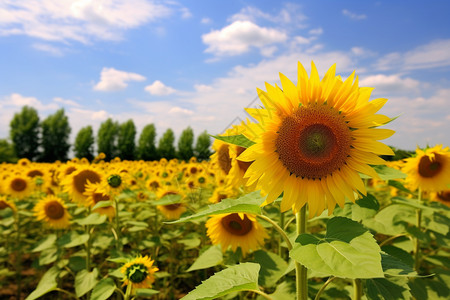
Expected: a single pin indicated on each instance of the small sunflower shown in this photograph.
(429, 170)
(443, 197)
(5, 203)
(116, 181)
(153, 184)
(19, 186)
(171, 211)
(222, 192)
(139, 272)
(53, 211)
(236, 230)
(312, 139)
(75, 183)
(95, 192)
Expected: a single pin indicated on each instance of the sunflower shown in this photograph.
(115, 181)
(429, 170)
(95, 192)
(139, 272)
(75, 183)
(236, 230)
(442, 196)
(311, 140)
(153, 184)
(5, 203)
(223, 192)
(53, 211)
(19, 186)
(171, 211)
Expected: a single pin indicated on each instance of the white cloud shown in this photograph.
(432, 55)
(99, 115)
(206, 21)
(67, 102)
(79, 20)
(290, 14)
(353, 15)
(316, 31)
(203, 88)
(55, 51)
(180, 111)
(185, 13)
(17, 100)
(239, 37)
(115, 80)
(388, 84)
(159, 89)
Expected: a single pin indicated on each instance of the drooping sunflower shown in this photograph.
(429, 169)
(53, 212)
(19, 186)
(96, 192)
(75, 183)
(236, 230)
(312, 139)
(171, 211)
(139, 272)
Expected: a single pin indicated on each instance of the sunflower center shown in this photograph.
(243, 165)
(3, 205)
(193, 170)
(18, 184)
(154, 185)
(224, 158)
(237, 226)
(444, 196)
(114, 180)
(34, 173)
(137, 273)
(430, 168)
(314, 141)
(172, 206)
(201, 179)
(80, 180)
(100, 197)
(70, 170)
(54, 210)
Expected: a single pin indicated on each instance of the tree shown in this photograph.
(55, 137)
(126, 140)
(107, 139)
(166, 148)
(84, 143)
(24, 133)
(202, 147)
(7, 152)
(146, 146)
(186, 144)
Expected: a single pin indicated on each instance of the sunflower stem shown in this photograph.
(319, 293)
(279, 229)
(88, 249)
(416, 239)
(357, 289)
(280, 249)
(128, 291)
(300, 270)
(18, 260)
(118, 241)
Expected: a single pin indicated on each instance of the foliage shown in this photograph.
(185, 144)
(107, 139)
(166, 148)
(126, 140)
(146, 147)
(55, 137)
(24, 133)
(84, 143)
(7, 152)
(203, 146)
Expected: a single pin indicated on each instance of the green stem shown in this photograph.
(279, 229)
(323, 287)
(18, 261)
(128, 292)
(416, 240)
(67, 293)
(300, 270)
(261, 293)
(118, 241)
(88, 249)
(391, 239)
(280, 249)
(357, 289)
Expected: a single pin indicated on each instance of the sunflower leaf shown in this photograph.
(210, 258)
(85, 281)
(92, 219)
(249, 203)
(104, 289)
(102, 204)
(386, 173)
(238, 140)
(348, 250)
(167, 200)
(242, 277)
(47, 284)
(387, 288)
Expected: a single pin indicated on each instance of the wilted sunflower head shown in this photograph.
(139, 272)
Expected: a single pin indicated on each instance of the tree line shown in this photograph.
(48, 140)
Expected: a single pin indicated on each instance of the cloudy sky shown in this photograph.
(198, 63)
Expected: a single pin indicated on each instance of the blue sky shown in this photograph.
(198, 63)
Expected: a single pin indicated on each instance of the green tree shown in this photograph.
(7, 153)
(55, 137)
(84, 143)
(203, 146)
(126, 140)
(107, 139)
(146, 146)
(186, 144)
(24, 133)
(166, 148)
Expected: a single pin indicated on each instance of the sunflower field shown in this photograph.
(297, 203)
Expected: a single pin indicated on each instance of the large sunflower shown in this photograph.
(236, 230)
(53, 211)
(313, 138)
(19, 186)
(139, 272)
(96, 192)
(75, 183)
(429, 170)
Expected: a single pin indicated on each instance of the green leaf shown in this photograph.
(102, 204)
(239, 140)
(47, 242)
(167, 200)
(392, 219)
(272, 267)
(103, 289)
(85, 281)
(409, 202)
(395, 288)
(47, 283)
(386, 173)
(48, 256)
(284, 290)
(233, 279)
(72, 239)
(348, 250)
(398, 185)
(92, 219)
(210, 258)
(145, 292)
(400, 254)
(395, 267)
(77, 263)
(249, 203)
